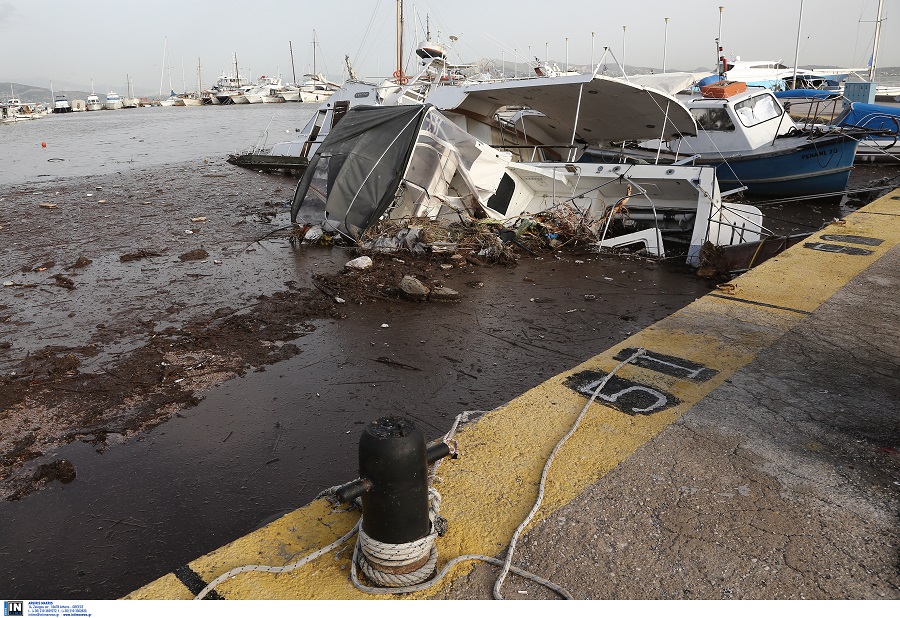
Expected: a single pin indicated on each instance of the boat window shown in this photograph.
(501, 199)
(713, 119)
(757, 109)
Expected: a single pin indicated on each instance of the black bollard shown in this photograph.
(393, 480)
(393, 458)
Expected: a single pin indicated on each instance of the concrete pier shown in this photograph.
(752, 453)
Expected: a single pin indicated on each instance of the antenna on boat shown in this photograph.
(720, 58)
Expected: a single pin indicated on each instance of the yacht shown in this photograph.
(93, 103)
(61, 105)
(113, 100)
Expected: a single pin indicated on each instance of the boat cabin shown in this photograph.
(738, 123)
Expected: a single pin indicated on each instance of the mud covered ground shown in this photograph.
(128, 299)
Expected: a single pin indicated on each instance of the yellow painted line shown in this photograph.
(489, 490)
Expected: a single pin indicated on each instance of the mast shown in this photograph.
(875, 44)
(199, 80)
(293, 71)
(237, 75)
(162, 73)
(314, 52)
(399, 38)
(797, 49)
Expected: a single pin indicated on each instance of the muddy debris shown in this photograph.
(81, 262)
(196, 254)
(64, 282)
(139, 255)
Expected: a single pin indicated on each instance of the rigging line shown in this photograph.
(368, 31)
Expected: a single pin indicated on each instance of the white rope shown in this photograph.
(273, 569)
(507, 564)
(380, 561)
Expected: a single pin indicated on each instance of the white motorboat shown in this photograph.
(61, 105)
(113, 100)
(93, 103)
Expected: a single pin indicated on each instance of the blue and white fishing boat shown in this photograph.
(755, 145)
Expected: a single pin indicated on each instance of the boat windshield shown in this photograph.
(758, 109)
(713, 119)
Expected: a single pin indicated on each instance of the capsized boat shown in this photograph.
(413, 162)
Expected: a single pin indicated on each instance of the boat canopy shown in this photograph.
(605, 109)
(871, 116)
(354, 178)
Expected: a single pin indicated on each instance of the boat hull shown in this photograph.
(818, 167)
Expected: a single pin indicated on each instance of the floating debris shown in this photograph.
(139, 255)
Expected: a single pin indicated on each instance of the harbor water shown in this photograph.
(105, 142)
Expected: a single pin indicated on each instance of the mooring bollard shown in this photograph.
(397, 533)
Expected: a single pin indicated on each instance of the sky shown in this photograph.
(72, 43)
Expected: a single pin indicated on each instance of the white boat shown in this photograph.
(130, 101)
(467, 161)
(113, 100)
(192, 100)
(93, 103)
(173, 100)
(61, 105)
(316, 89)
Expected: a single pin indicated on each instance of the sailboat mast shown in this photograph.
(199, 80)
(797, 48)
(293, 71)
(162, 73)
(875, 44)
(399, 37)
(314, 52)
(237, 74)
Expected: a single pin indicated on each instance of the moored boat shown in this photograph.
(756, 146)
(61, 105)
(113, 100)
(93, 103)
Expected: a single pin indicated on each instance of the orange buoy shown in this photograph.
(43, 144)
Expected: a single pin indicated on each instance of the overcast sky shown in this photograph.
(74, 42)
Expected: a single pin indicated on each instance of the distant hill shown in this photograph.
(36, 94)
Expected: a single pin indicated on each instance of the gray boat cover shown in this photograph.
(354, 176)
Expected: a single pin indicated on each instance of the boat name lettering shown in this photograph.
(820, 153)
(629, 397)
(361, 95)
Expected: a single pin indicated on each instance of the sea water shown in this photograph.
(109, 141)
